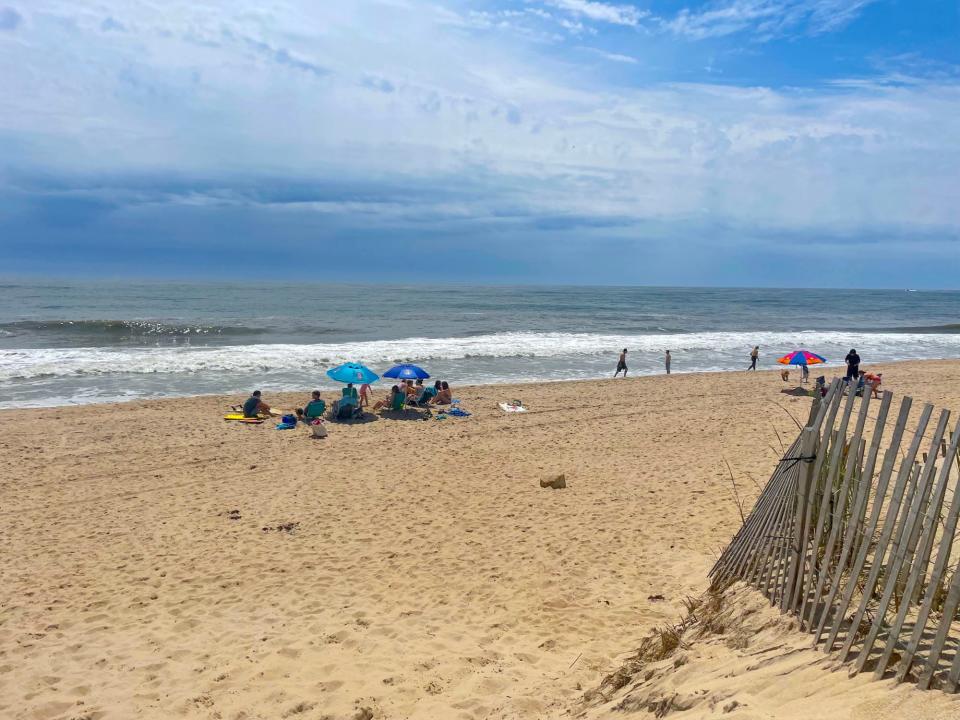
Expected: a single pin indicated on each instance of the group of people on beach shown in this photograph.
(417, 394)
(852, 361)
(414, 394)
(622, 362)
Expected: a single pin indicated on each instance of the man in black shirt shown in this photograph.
(853, 365)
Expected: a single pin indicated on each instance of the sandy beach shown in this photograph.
(160, 562)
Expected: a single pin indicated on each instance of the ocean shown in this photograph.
(83, 342)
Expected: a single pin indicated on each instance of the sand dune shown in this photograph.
(160, 562)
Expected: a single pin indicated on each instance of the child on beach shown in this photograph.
(364, 395)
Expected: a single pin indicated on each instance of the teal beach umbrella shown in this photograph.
(353, 373)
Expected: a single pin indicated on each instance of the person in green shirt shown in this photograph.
(315, 408)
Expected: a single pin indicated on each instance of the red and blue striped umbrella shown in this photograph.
(801, 357)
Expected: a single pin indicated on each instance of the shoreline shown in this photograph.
(383, 385)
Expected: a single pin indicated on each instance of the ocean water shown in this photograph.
(66, 343)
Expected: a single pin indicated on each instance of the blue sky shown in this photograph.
(728, 142)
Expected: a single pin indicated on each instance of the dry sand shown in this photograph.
(399, 568)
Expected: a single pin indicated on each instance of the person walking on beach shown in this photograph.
(754, 356)
(853, 365)
(622, 364)
(666, 361)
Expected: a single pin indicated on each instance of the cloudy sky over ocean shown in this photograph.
(730, 142)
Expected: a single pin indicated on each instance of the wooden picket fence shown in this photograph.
(862, 557)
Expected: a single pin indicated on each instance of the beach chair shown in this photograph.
(346, 409)
(399, 401)
(314, 409)
(423, 399)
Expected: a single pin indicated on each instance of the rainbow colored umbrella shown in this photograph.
(801, 357)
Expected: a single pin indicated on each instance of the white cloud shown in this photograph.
(601, 11)
(765, 18)
(614, 57)
(427, 112)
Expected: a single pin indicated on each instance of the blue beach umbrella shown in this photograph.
(353, 373)
(406, 371)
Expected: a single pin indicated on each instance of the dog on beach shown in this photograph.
(785, 375)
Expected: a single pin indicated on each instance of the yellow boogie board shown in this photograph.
(241, 418)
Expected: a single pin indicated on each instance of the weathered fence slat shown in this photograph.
(930, 529)
(863, 491)
(894, 511)
(940, 564)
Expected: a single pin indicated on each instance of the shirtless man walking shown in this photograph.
(622, 364)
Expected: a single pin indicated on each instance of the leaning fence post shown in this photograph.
(809, 439)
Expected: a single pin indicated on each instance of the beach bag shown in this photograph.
(318, 429)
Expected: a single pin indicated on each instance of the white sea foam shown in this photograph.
(694, 351)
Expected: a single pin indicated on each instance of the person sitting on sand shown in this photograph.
(349, 395)
(387, 402)
(429, 393)
(364, 395)
(445, 396)
(315, 408)
(254, 406)
(411, 390)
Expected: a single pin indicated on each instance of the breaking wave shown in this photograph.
(692, 351)
(113, 330)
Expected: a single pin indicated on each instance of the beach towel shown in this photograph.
(457, 412)
(510, 407)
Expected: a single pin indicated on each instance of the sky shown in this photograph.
(802, 143)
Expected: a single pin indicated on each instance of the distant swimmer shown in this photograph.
(622, 364)
(666, 361)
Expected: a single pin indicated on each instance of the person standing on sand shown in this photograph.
(666, 361)
(364, 395)
(754, 356)
(853, 365)
(622, 364)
